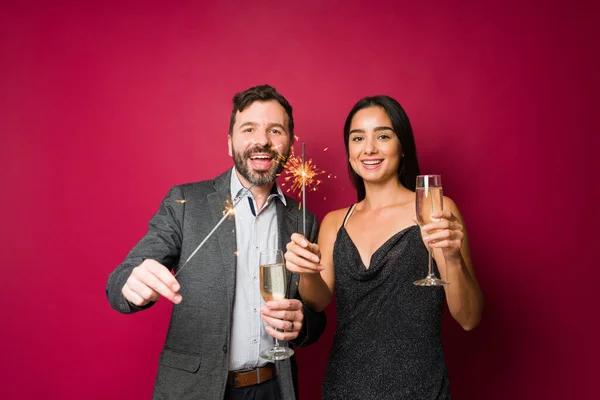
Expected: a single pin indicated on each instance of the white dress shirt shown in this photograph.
(254, 231)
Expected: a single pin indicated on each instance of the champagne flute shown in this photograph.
(272, 287)
(430, 198)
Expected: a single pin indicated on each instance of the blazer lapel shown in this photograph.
(225, 233)
(288, 224)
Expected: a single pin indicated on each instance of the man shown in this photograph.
(215, 334)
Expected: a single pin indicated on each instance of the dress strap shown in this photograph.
(348, 214)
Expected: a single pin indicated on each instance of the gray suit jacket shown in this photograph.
(194, 361)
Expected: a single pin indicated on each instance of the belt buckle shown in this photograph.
(250, 370)
(257, 375)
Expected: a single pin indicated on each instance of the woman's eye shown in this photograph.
(384, 137)
(357, 139)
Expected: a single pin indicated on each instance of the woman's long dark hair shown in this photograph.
(408, 169)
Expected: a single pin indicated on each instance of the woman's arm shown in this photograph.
(314, 263)
(449, 241)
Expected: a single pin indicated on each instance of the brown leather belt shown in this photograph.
(249, 377)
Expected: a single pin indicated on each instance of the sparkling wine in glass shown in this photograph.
(430, 198)
(272, 287)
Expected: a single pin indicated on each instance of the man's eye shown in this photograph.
(276, 131)
(248, 130)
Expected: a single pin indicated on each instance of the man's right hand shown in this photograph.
(148, 281)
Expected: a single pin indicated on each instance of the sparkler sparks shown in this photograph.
(296, 172)
(300, 175)
(229, 208)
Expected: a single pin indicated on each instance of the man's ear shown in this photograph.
(229, 145)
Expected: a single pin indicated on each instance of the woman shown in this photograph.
(388, 339)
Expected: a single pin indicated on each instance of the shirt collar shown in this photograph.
(236, 186)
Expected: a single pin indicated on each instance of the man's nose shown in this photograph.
(262, 138)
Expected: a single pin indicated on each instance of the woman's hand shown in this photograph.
(302, 256)
(446, 234)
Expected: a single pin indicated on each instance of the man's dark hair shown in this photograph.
(244, 99)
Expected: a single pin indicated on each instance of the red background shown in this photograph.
(104, 106)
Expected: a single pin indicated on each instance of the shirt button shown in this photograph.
(255, 340)
(254, 309)
(225, 349)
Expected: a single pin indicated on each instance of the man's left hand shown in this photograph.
(284, 318)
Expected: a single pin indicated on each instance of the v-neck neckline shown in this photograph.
(366, 268)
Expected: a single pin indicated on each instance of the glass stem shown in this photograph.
(430, 274)
(276, 342)
(429, 249)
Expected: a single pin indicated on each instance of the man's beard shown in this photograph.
(259, 178)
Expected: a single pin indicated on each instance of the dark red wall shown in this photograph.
(104, 106)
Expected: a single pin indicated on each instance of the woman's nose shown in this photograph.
(370, 147)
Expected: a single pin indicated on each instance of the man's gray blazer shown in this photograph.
(194, 361)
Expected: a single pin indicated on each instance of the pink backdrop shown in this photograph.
(105, 106)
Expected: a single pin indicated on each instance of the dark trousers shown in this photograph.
(268, 390)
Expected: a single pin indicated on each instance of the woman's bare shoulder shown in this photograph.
(334, 219)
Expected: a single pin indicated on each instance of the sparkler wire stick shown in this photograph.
(243, 192)
(303, 193)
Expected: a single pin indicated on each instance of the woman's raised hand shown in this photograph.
(446, 234)
(302, 256)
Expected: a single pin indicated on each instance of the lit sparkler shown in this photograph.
(301, 174)
(229, 210)
(297, 172)
(303, 192)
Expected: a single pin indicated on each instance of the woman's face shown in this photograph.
(373, 146)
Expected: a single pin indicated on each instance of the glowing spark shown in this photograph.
(295, 172)
(229, 208)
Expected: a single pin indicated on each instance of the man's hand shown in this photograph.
(148, 281)
(285, 315)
